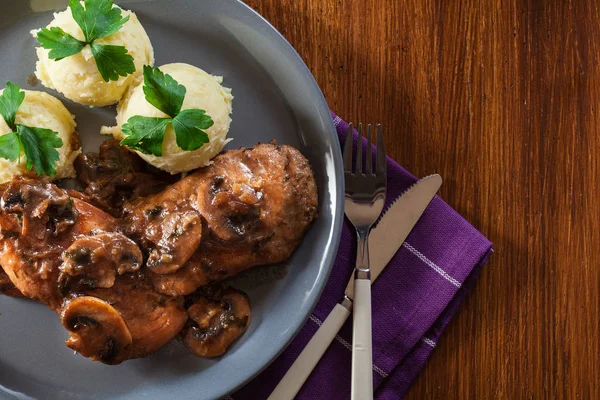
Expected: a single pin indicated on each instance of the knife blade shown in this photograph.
(395, 223)
(386, 238)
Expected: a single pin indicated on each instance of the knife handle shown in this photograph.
(293, 380)
(362, 355)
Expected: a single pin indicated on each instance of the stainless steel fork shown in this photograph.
(364, 200)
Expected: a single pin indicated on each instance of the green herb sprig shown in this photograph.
(146, 134)
(38, 144)
(98, 20)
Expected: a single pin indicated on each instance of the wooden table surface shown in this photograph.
(502, 98)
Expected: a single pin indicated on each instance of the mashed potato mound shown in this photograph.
(203, 91)
(77, 76)
(41, 110)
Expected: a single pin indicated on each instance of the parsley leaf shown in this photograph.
(10, 148)
(10, 100)
(145, 134)
(60, 43)
(162, 91)
(189, 128)
(39, 145)
(112, 61)
(97, 20)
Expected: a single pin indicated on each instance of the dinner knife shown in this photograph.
(393, 227)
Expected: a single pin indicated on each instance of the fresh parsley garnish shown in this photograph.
(10, 148)
(60, 43)
(146, 134)
(38, 144)
(162, 91)
(97, 20)
(10, 100)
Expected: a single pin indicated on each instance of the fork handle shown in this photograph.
(362, 356)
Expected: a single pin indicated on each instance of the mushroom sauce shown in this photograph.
(134, 258)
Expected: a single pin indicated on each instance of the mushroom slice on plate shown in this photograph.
(233, 209)
(215, 324)
(97, 330)
(38, 222)
(177, 236)
(167, 226)
(43, 209)
(97, 259)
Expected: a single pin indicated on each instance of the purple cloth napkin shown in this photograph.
(413, 300)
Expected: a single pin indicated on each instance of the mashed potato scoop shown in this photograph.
(77, 76)
(42, 110)
(203, 92)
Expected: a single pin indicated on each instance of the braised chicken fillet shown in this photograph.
(38, 222)
(129, 320)
(70, 256)
(130, 262)
(250, 207)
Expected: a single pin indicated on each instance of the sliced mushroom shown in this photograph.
(214, 324)
(176, 236)
(232, 210)
(111, 160)
(38, 223)
(97, 330)
(153, 319)
(97, 259)
(116, 175)
(43, 208)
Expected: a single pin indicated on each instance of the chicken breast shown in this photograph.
(70, 255)
(129, 320)
(117, 277)
(250, 207)
(38, 222)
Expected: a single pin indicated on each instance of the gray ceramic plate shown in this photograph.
(277, 98)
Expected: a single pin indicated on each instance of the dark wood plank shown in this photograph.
(503, 99)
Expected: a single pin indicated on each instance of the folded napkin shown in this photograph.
(413, 300)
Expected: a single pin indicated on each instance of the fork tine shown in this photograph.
(369, 151)
(348, 150)
(381, 162)
(358, 163)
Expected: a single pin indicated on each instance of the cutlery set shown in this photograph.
(379, 237)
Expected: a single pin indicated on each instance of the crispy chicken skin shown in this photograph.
(256, 204)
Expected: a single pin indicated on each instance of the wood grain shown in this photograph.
(502, 98)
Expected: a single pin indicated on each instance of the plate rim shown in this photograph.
(338, 215)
